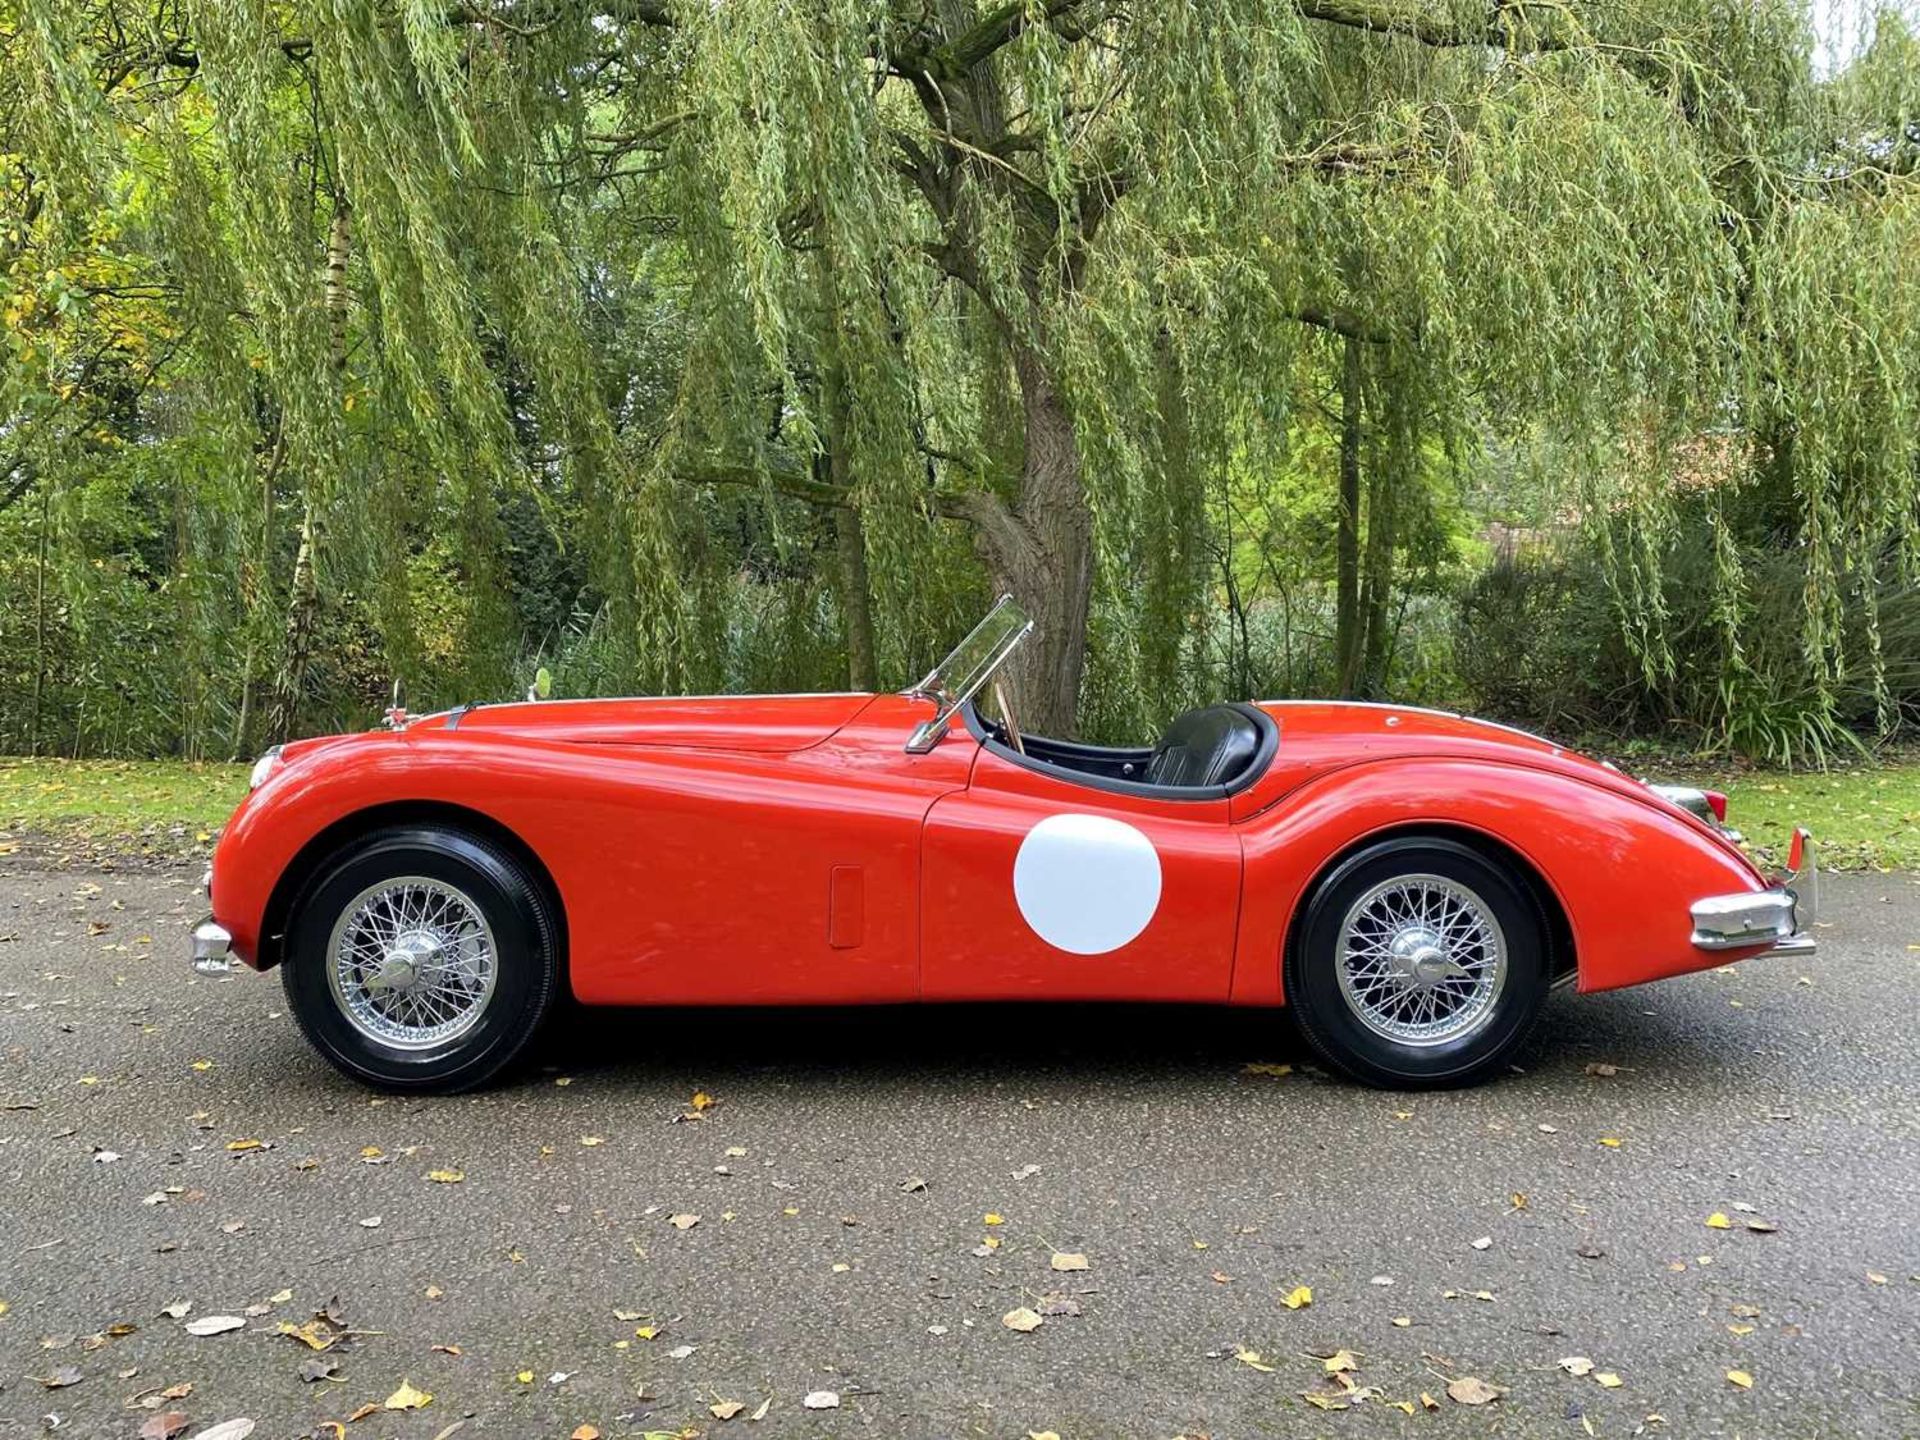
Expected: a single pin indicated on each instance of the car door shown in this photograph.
(1041, 884)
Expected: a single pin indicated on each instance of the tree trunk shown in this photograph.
(856, 599)
(1041, 552)
(303, 603)
(1346, 624)
(850, 541)
(39, 625)
(1377, 591)
(303, 593)
(1176, 555)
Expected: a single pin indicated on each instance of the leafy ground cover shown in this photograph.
(1865, 817)
(151, 807)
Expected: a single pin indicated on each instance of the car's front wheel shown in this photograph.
(1419, 962)
(422, 959)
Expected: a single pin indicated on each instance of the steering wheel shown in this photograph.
(1003, 700)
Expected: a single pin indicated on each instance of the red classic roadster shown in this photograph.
(1410, 883)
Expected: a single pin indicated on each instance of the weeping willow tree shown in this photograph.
(1033, 278)
(1111, 224)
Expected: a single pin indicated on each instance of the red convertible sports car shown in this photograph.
(1411, 883)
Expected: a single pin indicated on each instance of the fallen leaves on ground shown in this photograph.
(163, 1426)
(319, 1333)
(237, 1429)
(1719, 1221)
(1068, 1260)
(1251, 1359)
(61, 1378)
(726, 1409)
(446, 1177)
(154, 1399)
(1472, 1390)
(1298, 1298)
(821, 1400)
(683, 1222)
(1022, 1320)
(407, 1398)
(214, 1325)
(1740, 1378)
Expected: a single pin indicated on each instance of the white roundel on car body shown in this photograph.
(1087, 884)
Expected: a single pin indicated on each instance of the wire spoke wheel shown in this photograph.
(1422, 960)
(412, 963)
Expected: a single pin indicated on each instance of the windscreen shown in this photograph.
(953, 681)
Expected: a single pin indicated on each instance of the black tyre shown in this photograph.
(1418, 963)
(422, 959)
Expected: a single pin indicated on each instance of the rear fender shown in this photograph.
(1624, 871)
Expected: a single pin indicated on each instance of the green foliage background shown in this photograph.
(673, 345)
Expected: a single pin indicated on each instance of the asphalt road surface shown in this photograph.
(170, 1139)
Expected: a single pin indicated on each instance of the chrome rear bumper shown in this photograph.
(1780, 918)
(212, 948)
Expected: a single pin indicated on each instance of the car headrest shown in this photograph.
(1210, 746)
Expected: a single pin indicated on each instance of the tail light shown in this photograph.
(1717, 803)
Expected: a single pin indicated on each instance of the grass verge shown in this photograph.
(153, 807)
(1865, 817)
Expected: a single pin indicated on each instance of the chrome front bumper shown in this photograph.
(212, 948)
(1780, 918)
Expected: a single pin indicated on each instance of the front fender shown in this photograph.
(323, 783)
(1624, 869)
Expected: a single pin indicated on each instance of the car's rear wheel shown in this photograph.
(422, 959)
(1418, 962)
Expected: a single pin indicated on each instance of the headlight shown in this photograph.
(263, 767)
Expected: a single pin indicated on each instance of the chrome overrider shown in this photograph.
(212, 945)
(1780, 918)
(212, 948)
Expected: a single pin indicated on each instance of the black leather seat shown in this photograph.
(1211, 746)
